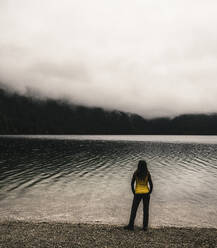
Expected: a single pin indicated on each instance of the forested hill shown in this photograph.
(24, 115)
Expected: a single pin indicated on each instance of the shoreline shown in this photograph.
(62, 234)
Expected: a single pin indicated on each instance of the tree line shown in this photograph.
(26, 115)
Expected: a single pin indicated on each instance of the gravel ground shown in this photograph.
(29, 234)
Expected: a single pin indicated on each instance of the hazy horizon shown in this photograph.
(151, 58)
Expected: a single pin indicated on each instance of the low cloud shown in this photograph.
(154, 58)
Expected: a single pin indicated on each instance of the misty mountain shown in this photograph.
(27, 115)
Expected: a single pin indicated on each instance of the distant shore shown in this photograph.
(53, 234)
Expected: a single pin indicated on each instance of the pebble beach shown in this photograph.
(52, 234)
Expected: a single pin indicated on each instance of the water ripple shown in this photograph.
(58, 171)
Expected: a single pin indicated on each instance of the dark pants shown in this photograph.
(136, 200)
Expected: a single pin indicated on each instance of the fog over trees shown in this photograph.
(153, 58)
(27, 115)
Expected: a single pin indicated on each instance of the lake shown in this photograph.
(86, 178)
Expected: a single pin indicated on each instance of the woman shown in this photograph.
(142, 177)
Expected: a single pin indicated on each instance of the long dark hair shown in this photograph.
(142, 170)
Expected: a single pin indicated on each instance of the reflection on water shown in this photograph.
(86, 180)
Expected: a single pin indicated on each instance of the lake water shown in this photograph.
(87, 178)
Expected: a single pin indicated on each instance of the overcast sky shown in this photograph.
(151, 57)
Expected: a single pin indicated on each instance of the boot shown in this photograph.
(128, 227)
